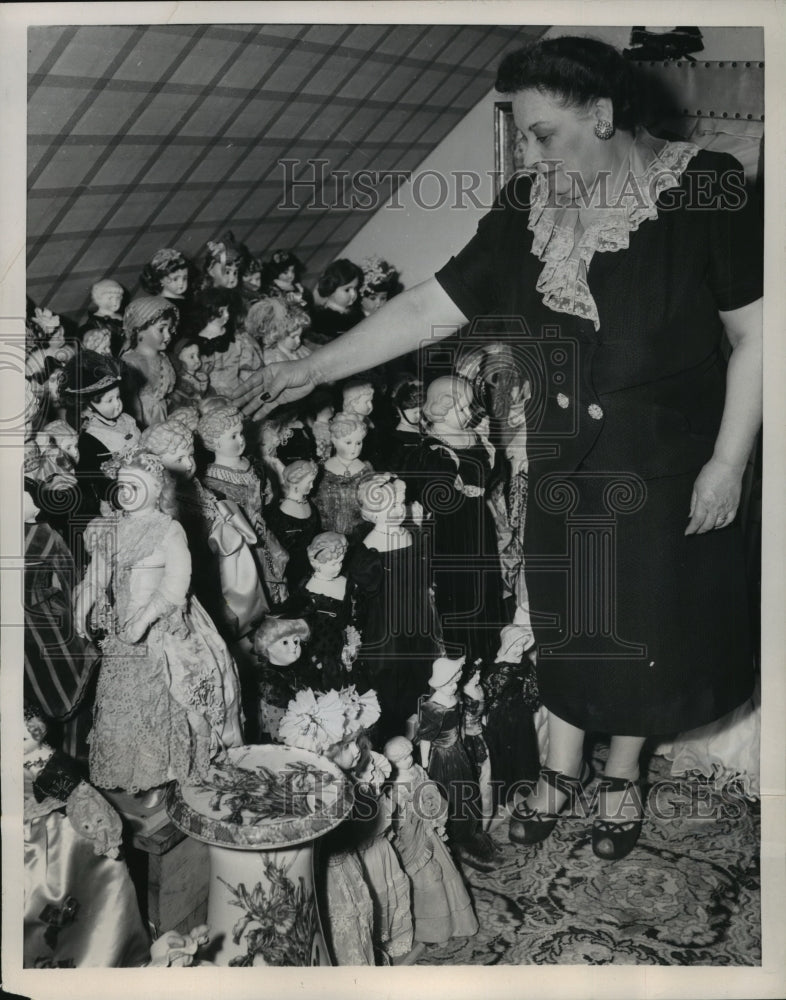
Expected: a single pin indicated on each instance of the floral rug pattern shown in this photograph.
(688, 894)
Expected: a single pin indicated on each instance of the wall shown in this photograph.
(418, 239)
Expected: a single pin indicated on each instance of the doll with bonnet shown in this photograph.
(167, 699)
(149, 324)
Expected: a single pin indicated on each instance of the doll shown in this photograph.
(58, 664)
(192, 383)
(444, 756)
(449, 474)
(229, 356)
(272, 433)
(293, 519)
(80, 905)
(441, 907)
(358, 400)
(473, 700)
(278, 325)
(106, 299)
(283, 670)
(335, 306)
(167, 699)
(406, 397)
(326, 602)
(297, 440)
(336, 497)
(232, 478)
(281, 278)
(166, 273)
(173, 444)
(387, 881)
(512, 699)
(221, 266)
(47, 352)
(380, 283)
(93, 382)
(149, 324)
(54, 469)
(395, 613)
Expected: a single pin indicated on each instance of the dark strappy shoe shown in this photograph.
(613, 839)
(528, 826)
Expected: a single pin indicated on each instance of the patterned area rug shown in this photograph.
(688, 894)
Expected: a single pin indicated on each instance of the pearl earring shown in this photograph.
(604, 129)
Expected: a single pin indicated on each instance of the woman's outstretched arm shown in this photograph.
(410, 320)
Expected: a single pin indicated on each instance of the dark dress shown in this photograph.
(511, 701)
(400, 635)
(295, 534)
(327, 617)
(451, 485)
(641, 630)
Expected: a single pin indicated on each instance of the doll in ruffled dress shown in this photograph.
(294, 520)
(445, 758)
(168, 696)
(149, 324)
(336, 498)
(441, 907)
(232, 477)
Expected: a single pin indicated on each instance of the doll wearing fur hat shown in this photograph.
(149, 324)
(168, 696)
(93, 384)
(232, 477)
(441, 907)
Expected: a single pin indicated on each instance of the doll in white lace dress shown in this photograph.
(167, 698)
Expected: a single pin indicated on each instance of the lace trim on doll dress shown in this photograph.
(566, 246)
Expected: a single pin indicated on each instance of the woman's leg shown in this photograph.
(622, 762)
(566, 744)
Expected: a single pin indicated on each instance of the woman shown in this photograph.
(635, 426)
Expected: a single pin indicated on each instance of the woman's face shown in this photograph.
(349, 446)
(110, 405)
(215, 327)
(344, 296)
(174, 285)
(556, 139)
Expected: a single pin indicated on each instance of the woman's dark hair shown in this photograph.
(577, 71)
(338, 274)
(207, 305)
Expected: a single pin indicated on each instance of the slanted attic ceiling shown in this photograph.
(141, 137)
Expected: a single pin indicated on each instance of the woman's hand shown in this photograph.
(273, 386)
(716, 497)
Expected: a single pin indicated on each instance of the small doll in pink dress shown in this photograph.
(149, 324)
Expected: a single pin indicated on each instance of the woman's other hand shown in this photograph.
(715, 498)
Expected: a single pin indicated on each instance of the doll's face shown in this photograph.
(190, 359)
(330, 569)
(344, 296)
(232, 443)
(252, 281)
(174, 284)
(373, 301)
(284, 651)
(29, 510)
(292, 340)
(286, 280)
(70, 445)
(215, 327)
(348, 446)
(156, 337)
(360, 401)
(346, 755)
(300, 489)
(224, 275)
(110, 405)
(98, 341)
(404, 763)
(180, 462)
(108, 299)
(137, 490)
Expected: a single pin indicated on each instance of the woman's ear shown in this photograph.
(603, 110)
